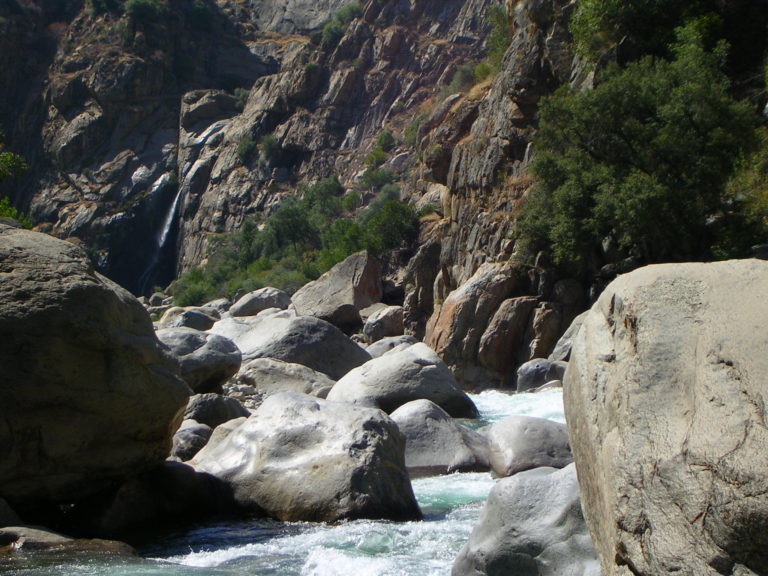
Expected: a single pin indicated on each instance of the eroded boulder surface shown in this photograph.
(206, 360)
(303, 458)
(665, 399)
(298, 339)
(435, 443)
(268, 376)
(90, 396)
(396, 378)
(532, 524)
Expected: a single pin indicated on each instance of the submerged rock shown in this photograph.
(23, 538)
(302, 458)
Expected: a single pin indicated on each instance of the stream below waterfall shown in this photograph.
(451, 506)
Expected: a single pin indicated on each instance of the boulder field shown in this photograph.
(665, 399)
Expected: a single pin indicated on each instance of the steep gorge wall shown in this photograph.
(134, 127)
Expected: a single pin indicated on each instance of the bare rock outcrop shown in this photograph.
(664, 396)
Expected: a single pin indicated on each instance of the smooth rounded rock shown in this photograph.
(387, 321)
(89, 395)
(303, 458)
(537, 372)
(195, 318)
(189, 439)
(531, 525)
(259, 300)
(213, 409)
(436, 444)
(520, 443)
(385, 345)
(396, 378)
(297, 339)
(207, 360)
(268, 376)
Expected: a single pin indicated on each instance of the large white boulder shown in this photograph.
(303, 458)
(520, 443)
(89, 395)
(665, 396)
(339, 294)
(435, 443)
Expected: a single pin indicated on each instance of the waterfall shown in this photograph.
(161, 238)
(170, 217)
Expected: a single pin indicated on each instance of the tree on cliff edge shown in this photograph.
(643, 158)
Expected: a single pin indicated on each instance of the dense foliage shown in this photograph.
(304, 237)
(643, 159)
(11, 166)
(334, 29)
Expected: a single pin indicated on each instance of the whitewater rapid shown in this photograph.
(451, 506)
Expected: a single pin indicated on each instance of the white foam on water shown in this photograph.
(495, 405)
(452, 506)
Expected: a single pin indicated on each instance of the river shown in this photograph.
(451, 506)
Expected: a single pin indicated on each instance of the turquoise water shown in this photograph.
(451, 506)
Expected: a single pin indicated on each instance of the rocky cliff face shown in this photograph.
(137, 130)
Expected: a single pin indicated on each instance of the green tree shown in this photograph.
(292, 226)
(643, 158)
(393, 224)
(500, 36)
(11, 166)
(599, 24)
(322, 200)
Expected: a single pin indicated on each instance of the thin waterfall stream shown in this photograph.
(163, 235)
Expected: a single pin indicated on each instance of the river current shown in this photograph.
(451, 506)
